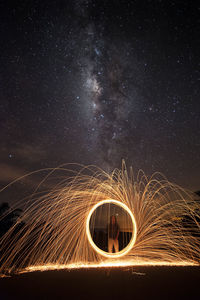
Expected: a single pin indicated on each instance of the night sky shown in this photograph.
(93, 82)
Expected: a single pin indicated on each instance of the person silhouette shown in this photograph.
(113, 234)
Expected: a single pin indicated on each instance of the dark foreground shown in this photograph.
(121, 283)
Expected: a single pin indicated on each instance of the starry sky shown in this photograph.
(95, 81)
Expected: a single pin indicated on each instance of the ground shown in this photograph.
(118, 283)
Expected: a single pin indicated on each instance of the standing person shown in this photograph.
(113, 234)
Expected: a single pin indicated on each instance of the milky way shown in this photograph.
(103, 92)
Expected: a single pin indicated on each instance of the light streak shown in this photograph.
(55, 232)
(133, 239)
(109, 264)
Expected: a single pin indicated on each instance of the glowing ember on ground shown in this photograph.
(108, 264)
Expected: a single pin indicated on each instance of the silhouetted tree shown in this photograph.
(198, 193)
(8, 217)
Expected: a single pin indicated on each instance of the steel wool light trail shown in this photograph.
(54, 230)
(133, 239)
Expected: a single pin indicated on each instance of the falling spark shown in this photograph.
(54, 231)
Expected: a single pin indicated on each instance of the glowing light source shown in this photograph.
(53, 229)
(134, 233)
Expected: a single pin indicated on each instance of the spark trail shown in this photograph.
(52, 231)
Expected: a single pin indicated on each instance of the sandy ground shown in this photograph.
(118, 283)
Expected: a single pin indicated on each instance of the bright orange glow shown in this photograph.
(108, 264)
(53, 230)
(134, 233)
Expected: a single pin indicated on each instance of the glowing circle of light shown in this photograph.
(134, 233)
